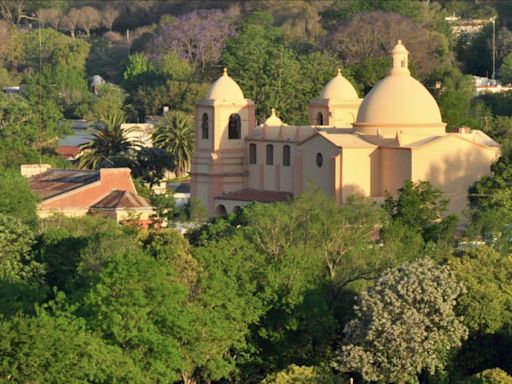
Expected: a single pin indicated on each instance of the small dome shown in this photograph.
(339, 88)
(399, 99)
(225, 89)
(399, 48)
(273, 120)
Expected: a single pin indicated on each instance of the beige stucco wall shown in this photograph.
(219, 165)
(313, 113)
(221, 121)
(338, 114)
(395, 168)
(323, 177)
(453, 165)
(44, 213)
(230, 205)
(276, 177)
(200, 142)
(360, 173)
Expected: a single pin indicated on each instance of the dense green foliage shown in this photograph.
(265, 294)
(175, 134)
(16, 197)
(261, 295)
(405, 324)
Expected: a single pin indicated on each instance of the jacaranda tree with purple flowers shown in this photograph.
(198, 36)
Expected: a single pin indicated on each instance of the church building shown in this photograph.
(351, 146)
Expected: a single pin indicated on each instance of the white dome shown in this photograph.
(399, 100)
(339, 88)
(225, 89)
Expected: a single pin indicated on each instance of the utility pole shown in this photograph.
(493, 47)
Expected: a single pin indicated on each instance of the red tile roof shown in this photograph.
(68, 151)
(55, 182)
(121, 199)
(254, 195)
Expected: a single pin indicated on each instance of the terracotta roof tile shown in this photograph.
(55, 182)
(68, 151)
(254, 195)
(121, 199)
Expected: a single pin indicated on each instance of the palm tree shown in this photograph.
(110, 144)
(175, 134)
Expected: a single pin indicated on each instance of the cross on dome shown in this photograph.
(225, 89)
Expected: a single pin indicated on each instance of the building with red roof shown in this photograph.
(108, 191)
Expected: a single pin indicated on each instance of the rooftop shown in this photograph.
(254, 195)
(121, 199)
(55, 182)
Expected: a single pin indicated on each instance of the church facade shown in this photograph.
(351, 146)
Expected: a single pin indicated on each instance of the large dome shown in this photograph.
(399, 102)
(339, 88)
(225, 89)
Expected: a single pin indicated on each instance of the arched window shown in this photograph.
(221, 211)
(235, 129)
(319, 118)
(286, 156)
(252, 154)
(270, 154)
(204, 126)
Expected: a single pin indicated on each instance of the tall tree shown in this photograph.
(59, 349)
(89, 18)
(110, 144)
(421, 206)
(198, 36)
(21, 276)
(487, 302)
(264, 67)
(175, 134)
(61, 85)
(71, 21)
(137, 305)
(405, 324)
(373, 34)
(139, 70)
(50, 16)
(109, 15)
(12, 10)
(17, 198)
(56, 48)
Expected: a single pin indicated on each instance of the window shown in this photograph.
(402, 63)
(319, 160)
(319, 119)
(234, 127)
(252, 154)
(286, 156)
(204, 126)
(270, 154)
(221, 211)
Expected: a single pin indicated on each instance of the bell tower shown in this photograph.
(223, 119)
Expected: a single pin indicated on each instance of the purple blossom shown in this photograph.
(198, 36)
